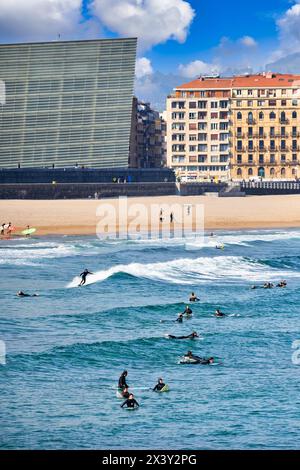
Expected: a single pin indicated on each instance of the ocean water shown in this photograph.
(67, 347)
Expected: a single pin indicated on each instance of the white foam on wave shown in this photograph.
(193, 271)
(29, 254)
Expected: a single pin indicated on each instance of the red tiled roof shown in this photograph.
(267, 80)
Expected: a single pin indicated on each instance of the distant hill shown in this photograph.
(288, 64)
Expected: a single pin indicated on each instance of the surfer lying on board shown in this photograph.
(194, 298)
(199, 360)
(282, 284)
(122, 380)
(83, 277)
(23, 294)
(218, 313)
(130, 402)
(159, 386)
(191, 336)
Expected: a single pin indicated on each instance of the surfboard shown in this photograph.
(28, 231)
(164, 389)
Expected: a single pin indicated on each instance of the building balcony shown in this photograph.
(242, 149)
(283, 121)
(262, 150)
(251, 122)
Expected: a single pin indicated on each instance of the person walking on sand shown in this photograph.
(171, 217)
(161, 216)
(2, 230)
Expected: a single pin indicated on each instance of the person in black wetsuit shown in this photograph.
(83, 277)
(218, 313)
(122, 380)
(179, 318)
(194, 298)
(23, 294)
(199, 360)
(159, 386)
(191, 336)
(209, 360)
(130, 402)
(187, 311)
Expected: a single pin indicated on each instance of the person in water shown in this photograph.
(268, 285)
(191, 336)
(125, 393)
(199, 360)
(218, 313)
(179, 318)
(122, 380)
(130, 402)
(187, 311)
(23, 294)
(159, 386)
(194, 298)
(83, 276)
(282, 284)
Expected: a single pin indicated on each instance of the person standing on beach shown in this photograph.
(2, 230)
(171, 217)
(161, 216)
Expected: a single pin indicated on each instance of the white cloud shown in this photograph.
(143, 67)
(43, 19)
(248, 41)
(196, 68)
(152, 21)
(289, 30)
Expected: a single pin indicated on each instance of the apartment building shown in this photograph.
(198, 129)
(242, 127)
(265, 125)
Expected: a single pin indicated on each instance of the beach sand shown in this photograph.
(78, 217)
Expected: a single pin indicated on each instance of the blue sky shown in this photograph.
(178, 39)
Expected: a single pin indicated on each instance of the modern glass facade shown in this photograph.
(67, 103)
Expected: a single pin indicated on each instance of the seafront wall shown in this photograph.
(85, 190)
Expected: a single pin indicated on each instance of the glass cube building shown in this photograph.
(67, 103)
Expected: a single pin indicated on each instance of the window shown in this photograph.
(223, 158)
(272, 158)
(283, 102)
(192, 104)
(261, 116)
(192, 137)
(295, 102)
(272, 102)
(192, 115)
(239, 92)
(202, 137)
(261, 159)
(223, 126)
(214, 148)
(261, 103)
(272, 171)
(294, 132)
(202, 148)
(202, 115)
(250, 172)
(294, 114)
(239, 103)
(250, 144)
(239, 115)
(223, 137)
(294, 145)
(223, 147)
(250, 103)
(223, 104)
(193, 148)
(282, 116)
(214, 137)
(214, 115)
(239, 144)
(214, 159)
(250, 158)
(214, 104)
(239, 172)
(261, 144)
(193, 159)
(282, 158)
(261, 132)
(202, 104)
(282, 171)
(272, 145)
(294, 157)
(282, 144)
(192, 127)
(250, 92)
(202, 158)
(250, 117)
(282, 131)
(272, 131)
(250, 132)
(239, 159)
(272, 115)
(214, 126)
(202, 126)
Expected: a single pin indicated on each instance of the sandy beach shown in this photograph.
(78, 217)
